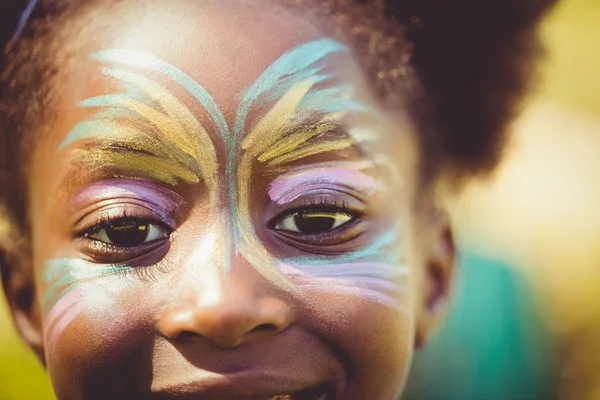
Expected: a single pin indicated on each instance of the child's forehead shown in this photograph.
(218, 43)
(222, 45)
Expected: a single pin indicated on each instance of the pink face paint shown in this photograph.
(373, 296)
(166, 201)
(292, 185)
(375, 269)
(61, 316)
(374, 282)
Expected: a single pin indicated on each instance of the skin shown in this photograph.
(225, 301)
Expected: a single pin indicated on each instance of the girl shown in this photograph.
(233, 199)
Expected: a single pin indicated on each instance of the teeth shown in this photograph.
(298, 396)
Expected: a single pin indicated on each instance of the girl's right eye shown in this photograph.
(129, 232)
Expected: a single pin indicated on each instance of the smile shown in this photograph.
(250, 390)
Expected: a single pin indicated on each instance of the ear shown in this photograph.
(437, 277)
(17, 279)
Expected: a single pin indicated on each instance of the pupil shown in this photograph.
(307, 223)
(128, 234)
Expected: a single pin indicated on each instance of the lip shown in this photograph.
(293, 362)
(244, 386)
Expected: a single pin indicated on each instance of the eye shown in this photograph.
(129, 232)
(313, 222)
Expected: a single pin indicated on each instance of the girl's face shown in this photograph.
(221, 209)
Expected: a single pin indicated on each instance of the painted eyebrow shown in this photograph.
(304, 140)
(144, 130)
(119, 160)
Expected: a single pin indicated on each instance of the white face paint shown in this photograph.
(218, 225)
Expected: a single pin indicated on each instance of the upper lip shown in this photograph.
(285, 364)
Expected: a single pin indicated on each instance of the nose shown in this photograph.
(227, 311)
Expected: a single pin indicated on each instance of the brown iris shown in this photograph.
(129, 233)
(311, 223)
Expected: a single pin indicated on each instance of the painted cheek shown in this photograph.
(356, 280)
(60, 317)
(77, 289)
(373, 274)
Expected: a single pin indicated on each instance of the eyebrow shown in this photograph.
(128, 160)
(144, 130)
(305, 140)
(125, 149)
(280, 137)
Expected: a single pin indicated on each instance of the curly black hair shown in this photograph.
(460, 66)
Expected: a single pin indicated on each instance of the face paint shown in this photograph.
(294, 184)
(73, 286)
(146, 131)
(60, 316)
(372, 272)
(360, 273)
(176, 146)
(280, 136)
(163, 202)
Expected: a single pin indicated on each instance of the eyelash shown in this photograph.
(106, 221)
(151, 272)
(320, 205)
(146, 273)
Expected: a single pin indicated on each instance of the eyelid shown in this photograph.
(163, 201)
(94, 220)
(139, 256)
(337, 198)
(291, 185)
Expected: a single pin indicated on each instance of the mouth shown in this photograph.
(248, 373)
(325, 391)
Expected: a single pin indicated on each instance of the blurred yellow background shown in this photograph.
(540, 212)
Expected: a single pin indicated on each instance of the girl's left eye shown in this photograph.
(129, 233)
(312, 222)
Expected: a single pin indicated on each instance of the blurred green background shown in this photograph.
(526, 320)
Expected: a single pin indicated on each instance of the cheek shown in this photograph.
(373, 327)
(365, 310)
(372, 282)
(92, 328)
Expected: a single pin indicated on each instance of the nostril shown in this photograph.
(264, 328)
(187, 336)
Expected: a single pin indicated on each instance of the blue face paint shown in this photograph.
(292, 68)
(141, 102)
(145, 62)
(66, 274)
(384, 248)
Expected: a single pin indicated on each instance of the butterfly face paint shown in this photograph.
(182, 200)
(177, 148)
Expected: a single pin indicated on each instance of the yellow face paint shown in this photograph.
(174, 146)
(146, 131)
